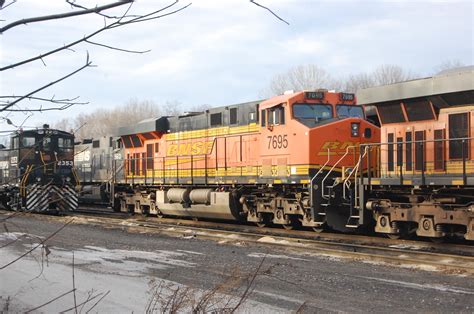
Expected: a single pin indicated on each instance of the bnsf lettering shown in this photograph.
(184, 149)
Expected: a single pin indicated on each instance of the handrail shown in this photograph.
(420, 141)
(347, 183)
(331, 170)
(314, 178)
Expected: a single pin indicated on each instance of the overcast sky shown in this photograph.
(221, 52)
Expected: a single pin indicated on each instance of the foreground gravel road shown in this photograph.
(128, 264)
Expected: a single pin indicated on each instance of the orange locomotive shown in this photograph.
(286, 160)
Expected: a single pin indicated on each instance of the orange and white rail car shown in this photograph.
(279, 160)
(425, 177)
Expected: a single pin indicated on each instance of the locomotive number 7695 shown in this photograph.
(277, 141)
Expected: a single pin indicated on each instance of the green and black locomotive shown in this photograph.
(37, 171)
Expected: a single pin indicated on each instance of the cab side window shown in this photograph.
(276, 115)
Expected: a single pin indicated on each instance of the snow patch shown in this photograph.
(262, 255)
(267, 239)
(11, 236)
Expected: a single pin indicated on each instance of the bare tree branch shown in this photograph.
(95, 304)
(274, 14)
(82, 303)
(119, 23)
(65, 101)
(115, 48)
(75, 5)
(50, 301)
(41, 109)
(2, 2)
(88, 64)
(63, 15)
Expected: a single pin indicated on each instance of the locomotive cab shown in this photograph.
(313, 138)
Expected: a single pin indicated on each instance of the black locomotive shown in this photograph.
(37, 171)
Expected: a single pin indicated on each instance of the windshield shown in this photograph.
(315, 112)
(65, 144)
(28, 141)
(348, 111)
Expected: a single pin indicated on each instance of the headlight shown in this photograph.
(38, 179)
(355, 129)
(68, 179)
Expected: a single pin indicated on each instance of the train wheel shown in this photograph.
(394, 236)
(292, 223)
(265, 220)
(319, 229)
(438, 240)
(289, 226)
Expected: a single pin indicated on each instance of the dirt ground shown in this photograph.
(124, 271)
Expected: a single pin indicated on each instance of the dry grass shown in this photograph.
(225, 297)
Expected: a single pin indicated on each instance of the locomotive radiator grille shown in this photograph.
(40, 197)
(69, 199)
(37, 198)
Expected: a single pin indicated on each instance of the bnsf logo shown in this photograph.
(336, 147)
(183, 149)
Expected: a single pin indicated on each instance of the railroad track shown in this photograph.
(451, 258)
(376, 240)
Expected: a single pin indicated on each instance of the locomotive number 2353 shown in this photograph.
(277, 141)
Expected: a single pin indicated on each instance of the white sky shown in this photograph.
(221, 52)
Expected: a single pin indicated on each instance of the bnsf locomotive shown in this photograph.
(36, 172)
(286, 160)
(311, 158)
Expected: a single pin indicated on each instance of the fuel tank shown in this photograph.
(199, 203)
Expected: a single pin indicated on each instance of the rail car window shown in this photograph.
(420, 148)
(132, 164)
(47, 143)
(399, 151)
(137, 163)
(149, 156)
(15, 143)
(216, 119)
(347, 111)
(391, 113)
(65, 144)
(127, 142)
(390, 165)
(439, 150)
(95, 144)
(252, 116)
(157, 147)
(28, 141)
(143, 164)
(418, 110)
(408, 151)
(233, 115)
(315, 112)
(136, 141)
(149, 136)
(263, 118)
(458, 128)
